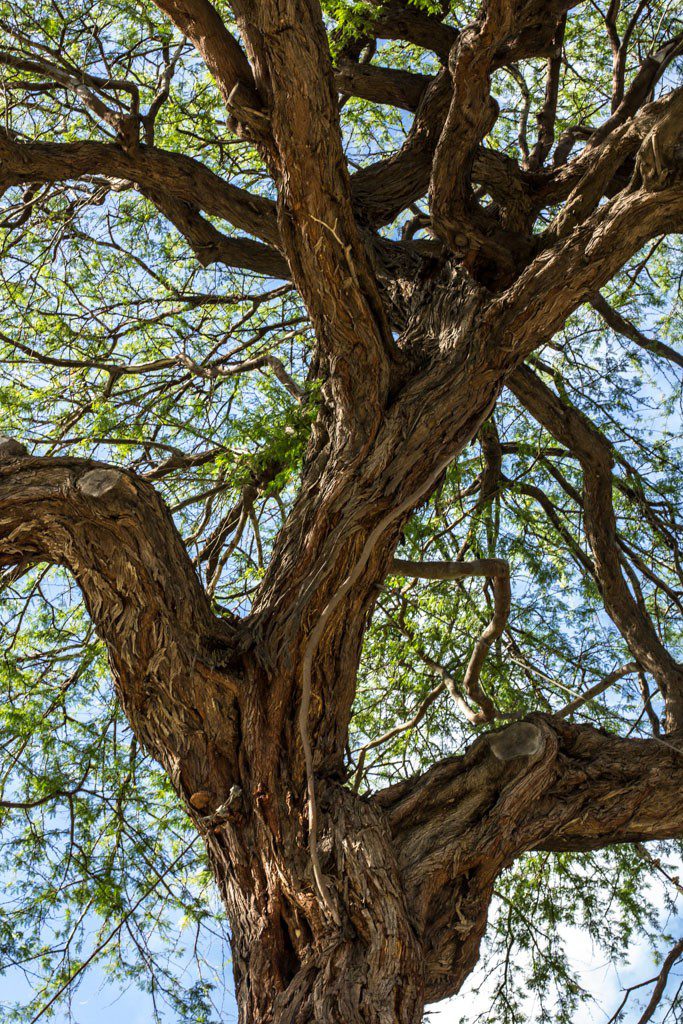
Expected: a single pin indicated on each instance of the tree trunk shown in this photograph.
(293, 961)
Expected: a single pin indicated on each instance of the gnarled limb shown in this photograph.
(384, 189)
(537, 784)
(569, 271)
(456, 216)
(111, 530)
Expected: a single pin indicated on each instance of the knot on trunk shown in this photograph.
(97, 483)
(521, 739)
(10, 449)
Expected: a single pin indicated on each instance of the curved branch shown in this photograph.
(548, 112)
(471, 114)
(568, 426)
(410, 723)
(171, 174)
(497, 570)
(111, 530)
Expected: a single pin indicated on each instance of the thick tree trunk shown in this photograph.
(410, 872)
(296, 960)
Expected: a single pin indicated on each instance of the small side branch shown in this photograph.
(411, 723)
(498, 571)
(594, 691)
(671, 959)
(614, 319)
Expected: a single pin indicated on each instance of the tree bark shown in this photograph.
(346, 908)
(292, 962)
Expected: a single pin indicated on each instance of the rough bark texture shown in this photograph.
(345, 908)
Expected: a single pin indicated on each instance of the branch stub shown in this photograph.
(97, 483)
(521, 739)
(10, 449)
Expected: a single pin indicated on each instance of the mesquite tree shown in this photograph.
(326, 379)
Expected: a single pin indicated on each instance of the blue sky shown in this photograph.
(99, 1001)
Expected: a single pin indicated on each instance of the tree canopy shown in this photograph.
(175, 304)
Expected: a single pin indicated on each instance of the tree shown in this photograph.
(446, 202)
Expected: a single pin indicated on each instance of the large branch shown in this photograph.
(456, 216)
(111, 530)
(538, 784)
(611, 144)
(381, 85)
(289, 52)
(572, 429)
(223, 56)
(570, 270)
(168, 174)
(397, 19)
